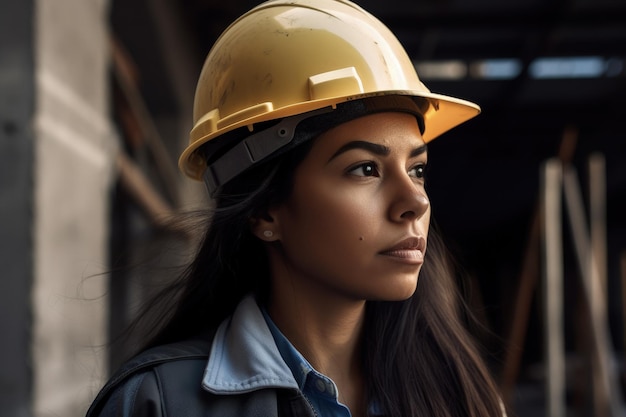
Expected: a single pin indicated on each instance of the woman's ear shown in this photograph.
(265, 227)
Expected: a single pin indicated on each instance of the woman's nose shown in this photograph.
(409, 200)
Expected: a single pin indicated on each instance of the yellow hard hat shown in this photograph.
(287, 59)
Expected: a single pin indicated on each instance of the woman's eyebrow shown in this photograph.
(374, 148)
(419, 150)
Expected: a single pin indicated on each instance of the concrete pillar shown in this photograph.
(57, 171)
(57, 150)
(73, 173)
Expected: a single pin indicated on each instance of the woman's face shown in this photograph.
(356, 222)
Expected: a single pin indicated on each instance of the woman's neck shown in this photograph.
(328, 335)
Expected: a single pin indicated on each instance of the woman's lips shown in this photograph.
(409, 250)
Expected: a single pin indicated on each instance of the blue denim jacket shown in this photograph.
(245, 376)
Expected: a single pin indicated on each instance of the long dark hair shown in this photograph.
(418, 358)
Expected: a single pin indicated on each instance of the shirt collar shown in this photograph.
(244, 356)
(298, 365)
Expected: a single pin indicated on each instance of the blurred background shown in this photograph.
(95, 106)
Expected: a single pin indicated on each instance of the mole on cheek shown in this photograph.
(360, 237)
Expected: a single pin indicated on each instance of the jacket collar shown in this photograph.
(244, 356)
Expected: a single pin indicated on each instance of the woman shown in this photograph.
(310, 132)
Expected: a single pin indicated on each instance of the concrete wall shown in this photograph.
(57, 175)
(74, 170)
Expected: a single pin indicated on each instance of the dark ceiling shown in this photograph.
(484, 175)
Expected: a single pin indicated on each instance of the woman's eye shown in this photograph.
(367, 169)
(418, 171)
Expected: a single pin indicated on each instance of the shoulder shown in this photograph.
(167, 381)
(140, 386)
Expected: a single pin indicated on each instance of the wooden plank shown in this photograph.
(528, 279)
(158, 210)
(527, 283)
(553, 288)
(597, 215)
(598, 268)
(607, 397)
(578, 227)
(123, 70)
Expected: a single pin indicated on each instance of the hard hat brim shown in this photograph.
(441, 114)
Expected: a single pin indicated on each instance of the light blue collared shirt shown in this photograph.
(250, 353)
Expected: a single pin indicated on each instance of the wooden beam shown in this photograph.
(157, 209)
(125, 75)
(551, 186)
(597, 212)
(607, 396)
(528, 279)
